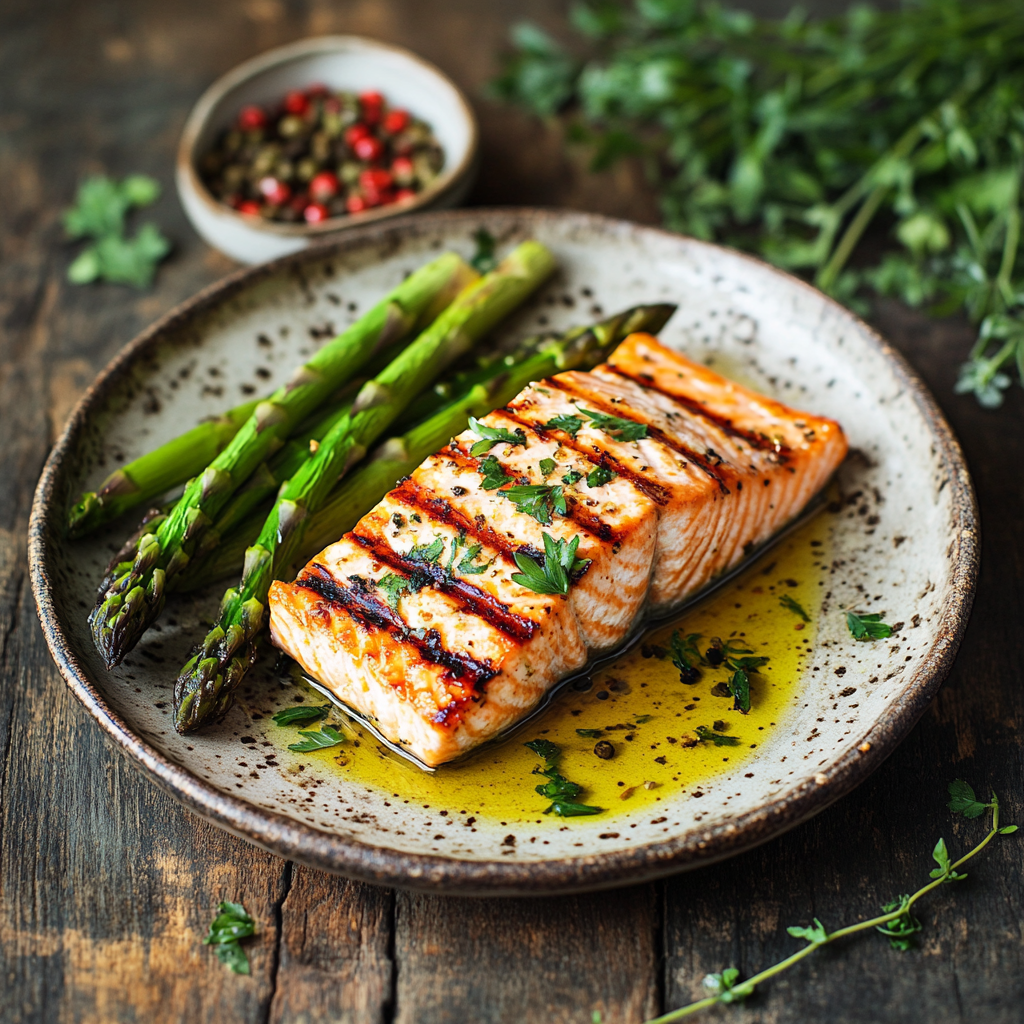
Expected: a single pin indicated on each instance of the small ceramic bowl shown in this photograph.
(351, 63)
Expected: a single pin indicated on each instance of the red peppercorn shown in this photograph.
(375, 179)
(368, 148)
(324, 186)
(402, 170)
(275, 190)
(249, 207)
(296, 103)
(356, 132)
(396, 121)
(252, 118)
(404, 193)
(371, 98)
(356, 204)
(315, 213)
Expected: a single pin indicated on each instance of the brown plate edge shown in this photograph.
(287, 838)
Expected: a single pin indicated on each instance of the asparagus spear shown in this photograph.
(133, 595)
(158, 471)
(205, 687)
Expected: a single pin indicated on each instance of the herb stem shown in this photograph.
(745, 988)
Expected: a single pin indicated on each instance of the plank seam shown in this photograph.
(277, 910)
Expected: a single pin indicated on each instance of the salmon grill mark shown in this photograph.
(587, 521)
(752, 437)
(359, 601)
(658, 494)
(439, 510)
(700, 461)
(473, 599)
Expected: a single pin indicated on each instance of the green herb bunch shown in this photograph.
(792, 137)
(99, 215)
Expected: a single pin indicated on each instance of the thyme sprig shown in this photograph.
(896, 921)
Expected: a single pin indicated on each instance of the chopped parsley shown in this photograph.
(558, 789)
(492, 436)
(554, 572)
(568, 424)
(302, 713)
(793, 606)
(493, 475)
(394, 586)
(706, 735)
(614, 426)
(547, 467)
(466, 566)
(427, 552)
(537, 500)
(571, 477)
(686, 656)
(867, 627)
(328, 736)
(599, 476)
(228, 928)
(739, 681)
(590, 734)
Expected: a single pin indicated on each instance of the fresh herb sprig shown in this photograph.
(867, 627)
(302, 714)
(686, 656)
(99, 214)
(896, 921)
(792, 137)
(228, 928)
(327, 737)
(616, 427)
(558, 789)
(490, 436)
(706, 735)
(554, 573)
(539, 501)
(794, 606)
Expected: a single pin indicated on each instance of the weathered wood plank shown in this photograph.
(551, 960)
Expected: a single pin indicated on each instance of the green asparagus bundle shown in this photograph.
(206, 684)
(133, 595)
(207, 692)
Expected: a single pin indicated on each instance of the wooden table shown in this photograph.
(107, 885)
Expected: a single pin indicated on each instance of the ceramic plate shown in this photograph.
(899, 535)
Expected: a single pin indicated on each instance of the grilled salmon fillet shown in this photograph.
(664, 473)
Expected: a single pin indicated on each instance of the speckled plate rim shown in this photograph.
(289, 838)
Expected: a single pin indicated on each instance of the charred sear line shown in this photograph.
(440, 510)
(756, 440)
(700, 461)
(360, 602)
(473, 599)
(596, 457)
(576, 513)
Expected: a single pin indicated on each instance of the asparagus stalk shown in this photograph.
(133, 595)
(158, 471)
(206, 685)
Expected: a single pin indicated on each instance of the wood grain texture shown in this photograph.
(107, 886)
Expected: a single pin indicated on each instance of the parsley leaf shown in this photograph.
(571, 477)
(794, 606)
(614, 426)
(558, 789)
(394, 586)
(537, 500)
(565, 809)
(590, 734)
(493, 475)
(686, 657)
(547, 467)
(553, 574)
(328, 736)
(101, 204)
(492, 436)
(231, 924)
(302, 713)
(963, 801)
(427, 552)
(545, 748)
(599, 476)
(867, 627)
(466, 566)
(816, 934)
(483, 260)
(566, 423)
(706, 735)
